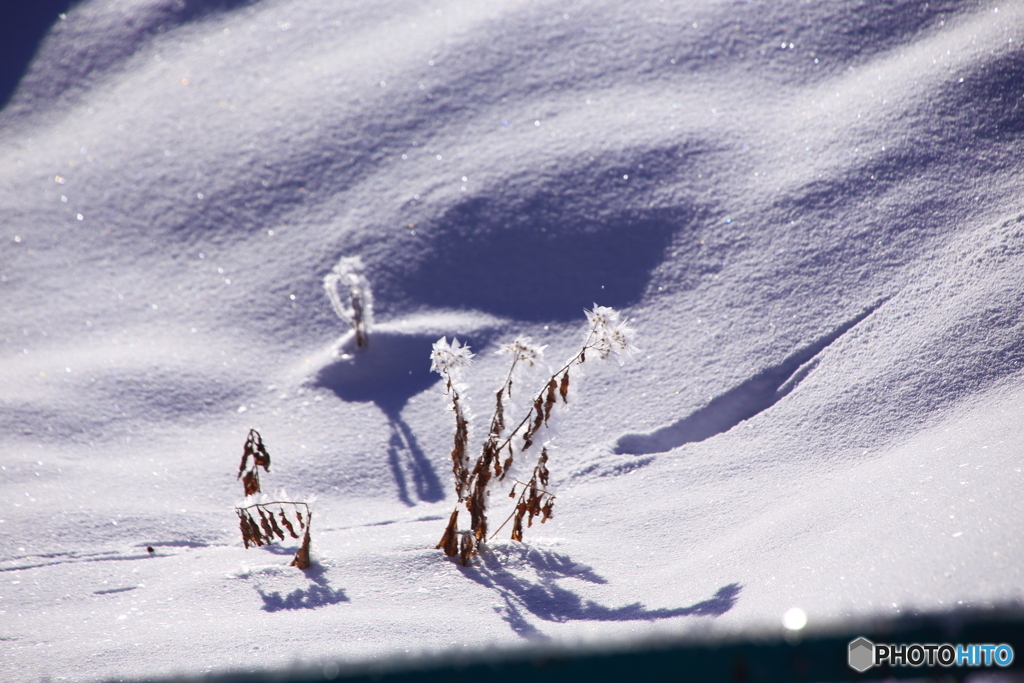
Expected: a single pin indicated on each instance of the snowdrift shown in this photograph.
(811, 212)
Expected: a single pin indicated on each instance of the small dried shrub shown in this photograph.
(250, 473)
(506, 445)
(349, 292)
(267, 530)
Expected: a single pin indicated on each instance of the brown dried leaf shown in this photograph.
(244, 520)
(459, 459)
(244, 526)
(547, 510)
(550, 400)
(250, 477)
(251, 482)
(491, 454)
(538, 412)
(298, 514)
(542, 467)
(486, 456)
(263, 460)
(512, 493)
(450, 541)
(563, 389)
(287, 524)
(254, 446)
(267, 529)
(532, 504)
(301, 559)
(274, 526)
(476, 503)
(254, 531)
(517, 524)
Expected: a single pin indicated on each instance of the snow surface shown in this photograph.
(812, 212)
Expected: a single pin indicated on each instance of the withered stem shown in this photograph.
(516, 508)
(529, 413)
(275, 502)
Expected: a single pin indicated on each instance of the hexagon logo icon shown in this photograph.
(862, 654)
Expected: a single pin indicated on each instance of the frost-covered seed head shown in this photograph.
(449, 359)
(607, 334)
(523, 349)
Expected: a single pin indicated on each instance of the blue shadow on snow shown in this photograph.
(549, 601)
(318, 594)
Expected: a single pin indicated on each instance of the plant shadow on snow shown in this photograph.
(318, 594)
(547, 600)
(740, 403)
(391, 370)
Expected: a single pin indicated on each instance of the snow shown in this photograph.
(810, 213)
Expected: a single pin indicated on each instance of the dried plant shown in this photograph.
(356, 305)
(505, 449)
(250, 474)
(268, 530)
